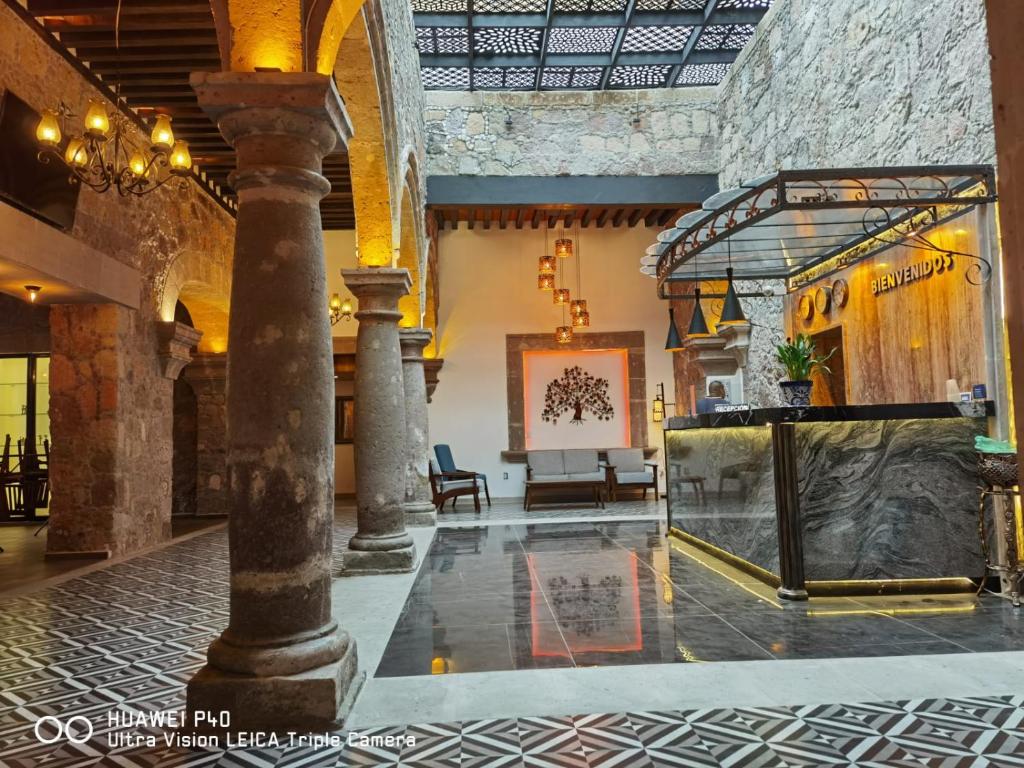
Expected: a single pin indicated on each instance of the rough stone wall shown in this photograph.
(584, 133)
(852, 83)
(207, 374)
(110, 406)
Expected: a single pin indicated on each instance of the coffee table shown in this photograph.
(597, 487)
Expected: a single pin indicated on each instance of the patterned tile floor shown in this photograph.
(128, 637)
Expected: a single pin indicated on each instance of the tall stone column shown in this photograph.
(381, 544)
(282, 663)
(419, 506)
(207, 375)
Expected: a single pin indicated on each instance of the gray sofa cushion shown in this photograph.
(587, 476)
(626, 459)
(634, 477)
(548, 478)
(545, 463)
(580, 460)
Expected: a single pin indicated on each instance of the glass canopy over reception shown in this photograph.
(802, 225)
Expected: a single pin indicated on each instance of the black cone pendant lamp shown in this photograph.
(673, 343)
(732, 310)
(698, 325)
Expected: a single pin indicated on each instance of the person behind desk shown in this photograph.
(716, 396)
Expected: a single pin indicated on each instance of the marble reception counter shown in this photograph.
(852, 499)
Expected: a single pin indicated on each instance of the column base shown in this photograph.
(791, 594)
(358, 562)
(316, 700)
(420, 513)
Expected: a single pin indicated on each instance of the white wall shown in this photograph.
(488, 283)
(340, 252)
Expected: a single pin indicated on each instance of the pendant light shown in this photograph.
(578, 307)
(546, 268)
(673, 343)
(698, 325)
(732, 310)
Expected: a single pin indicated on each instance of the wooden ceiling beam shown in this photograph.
(603, 216)
(139, 38)
(165, 53)
(134, 8)
(105, 22)
(108, 68)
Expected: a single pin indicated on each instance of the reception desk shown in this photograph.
(838, 500)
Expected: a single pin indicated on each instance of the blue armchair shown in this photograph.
(446, 462)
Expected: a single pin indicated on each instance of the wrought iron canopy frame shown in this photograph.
(783, 225)
(553, 45)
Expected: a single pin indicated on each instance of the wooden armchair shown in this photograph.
(451, 485)
(628, 470)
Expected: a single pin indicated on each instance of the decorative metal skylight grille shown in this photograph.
(581, 44)
(447, 78)
(507, 39)
(439, 6)
(581, 39)
(702, 74)
(593, 6)
(725, 37)
(639, 76)
(510, 6)
(514, 78)
(762, 4)
(656, 38)
(579, 78)
(442, 39)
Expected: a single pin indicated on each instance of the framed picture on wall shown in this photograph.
(344, 419)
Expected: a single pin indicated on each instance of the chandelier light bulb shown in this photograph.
(48, 130)
(181, 160)
(33, 292)
(97, 121)
(76, 153)
(162, 137)
(137, 164)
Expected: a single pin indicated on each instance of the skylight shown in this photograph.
(580, 44)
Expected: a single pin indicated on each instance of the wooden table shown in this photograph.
(597, 487)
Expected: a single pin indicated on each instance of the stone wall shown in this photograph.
(110, 405)
(585, 133)
(24, 328)
(852, 83)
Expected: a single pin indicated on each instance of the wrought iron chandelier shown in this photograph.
(104, 156)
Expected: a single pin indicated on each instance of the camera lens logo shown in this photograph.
(50, 729)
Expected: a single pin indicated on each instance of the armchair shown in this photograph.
(446, 464)
(628, 470)
(451, 485)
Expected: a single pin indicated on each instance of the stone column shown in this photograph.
(381, 544)
(419, 506)
(207, 375)
(282, 663)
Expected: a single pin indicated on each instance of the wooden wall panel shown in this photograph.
(901, 345)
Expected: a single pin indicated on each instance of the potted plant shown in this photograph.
(798, 357)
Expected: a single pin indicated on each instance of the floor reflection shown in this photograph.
(506, 597)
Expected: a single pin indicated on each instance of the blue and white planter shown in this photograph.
(796, 394)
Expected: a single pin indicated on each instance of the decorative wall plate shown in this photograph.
(840, 293)
(823, 300)
(805, 308)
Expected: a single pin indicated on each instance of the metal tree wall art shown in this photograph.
(577, 392)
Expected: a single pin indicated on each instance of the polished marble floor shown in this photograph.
(512, 597)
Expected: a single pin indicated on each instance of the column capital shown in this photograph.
(412, 341)
(207, 368)
(294, 102)
(378, 290)
(176, 342)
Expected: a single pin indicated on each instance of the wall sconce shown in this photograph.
(339, 309)
(658, 407)
(33, 292)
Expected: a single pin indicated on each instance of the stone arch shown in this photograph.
(203, 285)
(412, 241)
(360, 74)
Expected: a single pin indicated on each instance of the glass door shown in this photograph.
(25, 423)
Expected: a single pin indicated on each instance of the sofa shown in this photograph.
(628, 470)
(555, 468)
